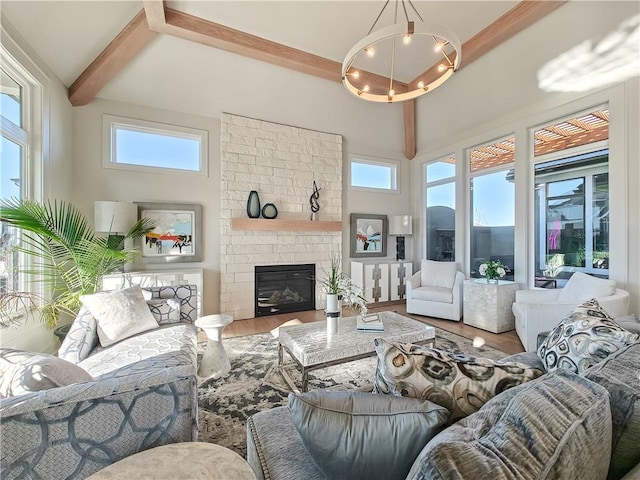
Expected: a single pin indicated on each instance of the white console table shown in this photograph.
(381, 280)
(157, 278)
(488, 305)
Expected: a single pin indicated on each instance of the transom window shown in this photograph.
(374, 174)
(141, 145)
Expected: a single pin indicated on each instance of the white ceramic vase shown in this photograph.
(334, 311)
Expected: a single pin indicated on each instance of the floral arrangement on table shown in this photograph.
(492, 270)
(336, 282)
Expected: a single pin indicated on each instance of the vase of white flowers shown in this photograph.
(493, 270)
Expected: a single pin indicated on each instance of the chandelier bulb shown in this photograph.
(406, 39)
(438, 47)
(441, 68)
(420, 84)
(355, 74)
(392, 92)
(370, 51)
(365, 88)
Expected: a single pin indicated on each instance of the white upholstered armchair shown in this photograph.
(541, 310)
(436, 290)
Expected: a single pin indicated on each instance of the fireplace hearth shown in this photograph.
(284, 289)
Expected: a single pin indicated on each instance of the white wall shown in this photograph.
(57, 165)
(92, 182)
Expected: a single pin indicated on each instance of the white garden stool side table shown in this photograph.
(215, 362)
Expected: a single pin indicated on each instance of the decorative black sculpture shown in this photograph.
(313, 201)
(253, 205)
(269, 211)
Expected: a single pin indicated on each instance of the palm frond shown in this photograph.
(69, 260)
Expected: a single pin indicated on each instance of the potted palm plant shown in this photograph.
(68, 258)
(340, 289)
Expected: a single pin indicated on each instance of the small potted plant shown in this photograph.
(340, 289)
(493, 270)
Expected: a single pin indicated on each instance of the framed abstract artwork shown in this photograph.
(177, 235)
(368, 235)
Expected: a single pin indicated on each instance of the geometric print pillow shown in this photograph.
(81, 338)
(165, 311)
(460, 384)
(583, 338)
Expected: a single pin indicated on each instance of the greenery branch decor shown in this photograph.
(336, 282)
(67, 258)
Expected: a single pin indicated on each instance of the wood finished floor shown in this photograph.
(507, 342)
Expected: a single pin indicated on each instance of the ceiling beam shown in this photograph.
(122, 49)
(154, 10)
(521, 16)
(409, 116)
(199, 30)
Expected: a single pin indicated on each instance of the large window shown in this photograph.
(141, 145)
(440, 197)
(375, 174)
(492, 202)
(572, 217)
(18, 162)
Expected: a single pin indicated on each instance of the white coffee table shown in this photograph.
(180, 461)
(312, 348)
(215, 362)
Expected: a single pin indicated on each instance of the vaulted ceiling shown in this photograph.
(88, 44)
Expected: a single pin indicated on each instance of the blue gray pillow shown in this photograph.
(355, 435)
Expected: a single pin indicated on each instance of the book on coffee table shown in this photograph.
(369, 323)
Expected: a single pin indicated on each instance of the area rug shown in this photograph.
(254, 384)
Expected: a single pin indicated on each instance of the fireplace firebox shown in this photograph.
(284, 288)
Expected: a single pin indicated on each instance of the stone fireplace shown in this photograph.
(281, 163)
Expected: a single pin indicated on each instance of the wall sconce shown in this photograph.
(400, 225)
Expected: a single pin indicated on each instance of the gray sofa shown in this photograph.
(559, 426)
(143, 394)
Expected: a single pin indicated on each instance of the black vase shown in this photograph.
(269, 211)
(253, 205)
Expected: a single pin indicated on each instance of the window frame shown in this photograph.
(438, 183)
(30, 136)
(394, 165)
(110, 123)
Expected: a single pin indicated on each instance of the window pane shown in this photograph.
(10, 160)
(582, 130)
(11, 157)
(10, 99)
(441, 217)
(493, 222)
(572, 220)
(372, 176)
(441, 169)
(156, 150)
(600, 215)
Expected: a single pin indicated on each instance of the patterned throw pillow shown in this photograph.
(583, 338)
(81, 338)
(458, 383)
(165, 311)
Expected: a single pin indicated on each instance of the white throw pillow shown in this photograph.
(582, 287)
(437, 274)
(165, 310)
(24, 372)
(120, 314)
